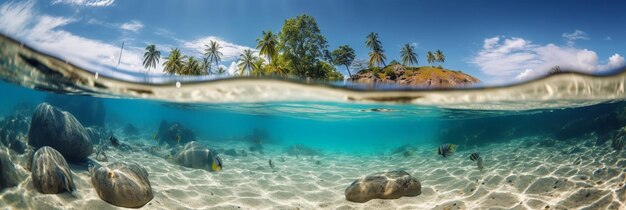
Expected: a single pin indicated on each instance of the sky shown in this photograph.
(495, 41)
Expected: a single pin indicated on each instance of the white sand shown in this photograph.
(515, 177)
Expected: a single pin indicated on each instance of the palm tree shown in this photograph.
(212, 52)
(430, 57)
(376, 53)
(408, 55)
(372, 42)
(174, 62)
(220, 70)
(267, 45)
(257, 68)
(206, 65)
(192, 66)
(246, 62)
(439, 56)
(377, 57)
(151, 57)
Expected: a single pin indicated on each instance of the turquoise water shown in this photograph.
(564, 127)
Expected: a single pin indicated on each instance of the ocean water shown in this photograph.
(551, 143)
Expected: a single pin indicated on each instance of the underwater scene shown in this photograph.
(295, 120)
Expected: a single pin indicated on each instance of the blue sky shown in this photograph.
(493, 40)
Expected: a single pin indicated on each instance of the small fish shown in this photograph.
(446, 150)
(178, 139)
(217, 163)
(154, 136)
(271, 163)
(474, 156)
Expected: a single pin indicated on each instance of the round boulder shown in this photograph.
(196, 155)
(124, 185)
(8, 174)
(58, 129)
(386, 185)
(50, 172)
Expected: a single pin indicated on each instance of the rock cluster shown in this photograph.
(386, 185)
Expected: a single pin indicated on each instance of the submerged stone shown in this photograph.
(121, 184)
(385, 185)
(8, 174)
(59, 129)
(50, 172)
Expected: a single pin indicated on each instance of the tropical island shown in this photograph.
(299, 50)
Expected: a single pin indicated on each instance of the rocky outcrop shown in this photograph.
(196, 155)
(58, 129)
(386, 185)
(420, 76)
(174, 133)
(89, 111)
(121, 184)
(8, 174)
(13, 130)
(50, 172)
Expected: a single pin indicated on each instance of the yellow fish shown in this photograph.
(217, 164)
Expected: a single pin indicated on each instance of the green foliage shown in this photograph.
(246, 62)
(302, 43)
(330, 72)
(151, 57)
(213, 55)
(267, 45)
(344, 55)
(191, 67)
(390, 73)
(376, 71)
(174, 62)
(430, 57)
(393, 63)
(376, 54)
(408, 55)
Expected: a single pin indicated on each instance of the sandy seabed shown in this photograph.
(519, 174)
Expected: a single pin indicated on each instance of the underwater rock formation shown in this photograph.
(96, 134)
(299, 149)
(196, 155)
(173, 133)
(124, 185)
(50, 172)
(89, 111)
(12, 131)
(130, 130)
(385, 185)
(60, 130)
(8, 174)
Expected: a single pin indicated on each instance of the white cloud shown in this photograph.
(608, 38)
(229, 50)
(133, 25)
(89, 3)
(20, 19)
(505, 58)
(615, 61)
(576, 35)
(232, 69)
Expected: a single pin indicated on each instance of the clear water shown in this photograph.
(529, 134)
